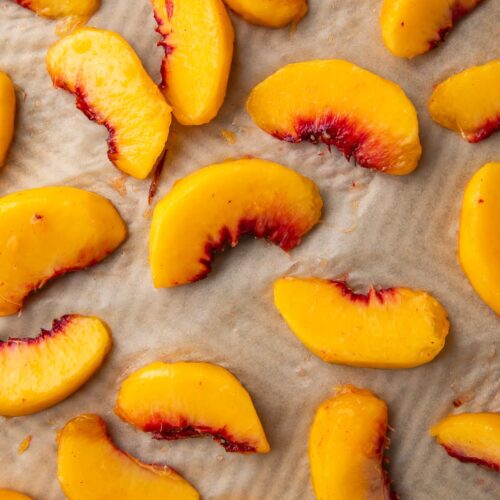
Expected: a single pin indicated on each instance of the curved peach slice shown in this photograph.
(412, 28)
(469, 102)
(343, 105)
(89, 465)
(50, 231)
(37, 373)
(471, 437)
(113, 89)
(479, 238)
(392, 328)
(198, 38)
(346, 447)
(12, 495)
(270, 13)
(52, 9)
(181, 400)
(7, 114)
(222, 202)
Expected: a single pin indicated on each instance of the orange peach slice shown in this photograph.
(90, 466)
(471, 437)
(37, 373)
(82, 9)
(198, 38)
(346, 447)
(113, 89)
(12, 495)
(469, 102)
(181, 400)
(270, 13)
(412, 28)
(222, 202)
(479, 239)
(7, 114)
(391, 328)
(47, 232)
(342, 105)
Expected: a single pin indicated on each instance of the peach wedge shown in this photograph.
(12, 495)
(218, 204)
(7, 115)
(391, 328)
(269, 13)
(469, 102)
(346, 447)
(37, 373)
(90, 466)
(81, 9)
(46, 232)
(340, 104)
(412, 28)
(113, 89)
(479, 236)
(471, 437)
(198, 37)
(181, 400)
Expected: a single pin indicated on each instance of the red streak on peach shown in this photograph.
(168, 49)
(381, 295)
(467, 459)
(24, 3)
(485, 131)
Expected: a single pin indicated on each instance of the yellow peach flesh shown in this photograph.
(12, 495)
(82, 9)
(7, 115)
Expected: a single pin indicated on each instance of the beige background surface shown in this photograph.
(386, 231)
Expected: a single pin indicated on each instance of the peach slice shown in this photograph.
(479, 238)
(113, 89)
(89, 465)
(7, 114)
(346, 447)
(471, 437)
(412, 28)
(220, 203)
(81, 9)
(39, 372)
(391, 328)
(270, 13)
(46, 232)
(181, 400)
(340, 104)
(12, 495)
(198, 39)
(469, 102)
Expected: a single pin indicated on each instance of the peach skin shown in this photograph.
(198, 38)
(412, 28)
(7, 115)
(90, 466)
(182, 400)
(12, 495)
(342, 105)
(113, 89)
(471, 437)
(222, 202)
(269, 13)
(37, 373)
(80, 9)
(479, 235)
(346, 447)
(469, 102)
(391, 328)
(46, 232)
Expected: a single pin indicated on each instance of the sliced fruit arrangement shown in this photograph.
(346, 447)
(391, 328)
(91, 466)
(471, 437)
(46, 232)
(113, 89)
(7, 114)
(37, 373)
(198, 39)
(221, 202)
(342, 105)
(181, 400)
(83, 9)
(479, 239)
(469, 102)
(412, 28)
(12, 495)
(269, 13)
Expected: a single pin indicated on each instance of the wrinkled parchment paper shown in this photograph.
(376, 229)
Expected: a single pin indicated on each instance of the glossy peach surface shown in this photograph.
(269, 13)
(82, 9)
(12, 495)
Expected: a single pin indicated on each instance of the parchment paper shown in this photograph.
(376, 229)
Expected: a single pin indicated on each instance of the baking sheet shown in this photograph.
(376, 229)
